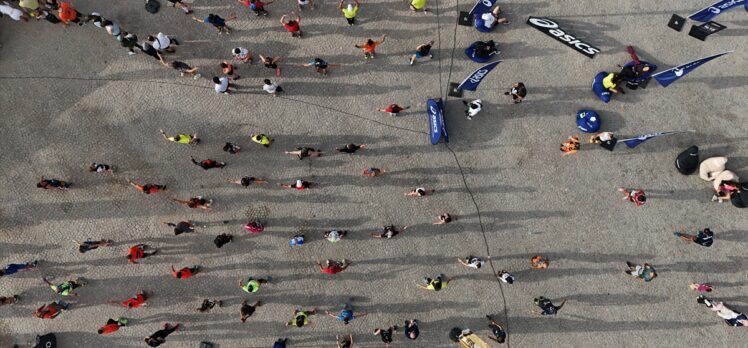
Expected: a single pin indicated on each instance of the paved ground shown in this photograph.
(71, 96)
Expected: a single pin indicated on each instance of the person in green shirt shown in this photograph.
(66, 288)
(252, 284)
(349, 11)
(644, 272)
(301, 317)
(610, 82)
(418, 5)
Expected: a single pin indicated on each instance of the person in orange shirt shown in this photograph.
(112, 326)
(68, 14)
(51, 310)
(185, 272)
(137, 252)
(370, 46)
(147, 188)
(135, 302)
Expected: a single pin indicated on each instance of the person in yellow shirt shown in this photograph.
(349, 11)
(418, 5)
(610, 82)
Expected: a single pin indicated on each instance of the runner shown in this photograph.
(700, 287)
(159, 337)
(636, 196)
(65, 288)
(299, 185)
(281, 342)
(334, 235)
(393, 109)
(231, 148)
(112, 326)
(68, 14)
(704, 238)
(271, 63)
(518, 92)
(370, 46)
(346, 314)
(134, 302)
(242, 54)
(385, 335)
(14, 268)
(419, 192)
(100, 168)
(422, 51)
(247, 180)
(186, 8)
(191, 139)
(505, 277)
(303, 152)
(539, 262)
(147, 188)
(271, 87)
(222, 239)
(304, 3)
(185, 272)
(371, 172)
(389, 232)
(137, 252)
(257, 6)
(418, 5)
(644, 272)
(247, 310)
(181, 227)
(320, 66)
(47, 184)
(334, 267)
(51, 310)
(162, 42)
(546, 306)
(293, 26)
(208, 163)
(183, 68)
(217, 22)
(301, 317)
(5, 300)
(344, 341)
(208, 304)
(499, 334)
(350, 11)
(443, 219)
(196, 202)
(12, 12)
(261, 139)
(222, 85)
(252, 284)
(89, 245)
(436, 284)
(411, 329)
(129, 41)
(570, 146)
(472, 262)
(350, 148)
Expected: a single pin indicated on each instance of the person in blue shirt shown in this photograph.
(411, 329)
(346, 314)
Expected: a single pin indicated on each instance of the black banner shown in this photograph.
(551, 28)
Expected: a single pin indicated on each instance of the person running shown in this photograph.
(12, 12)
(113, 28)
(112, 326)
(730, 316)
(644, 272)
(185, 272)
(271, 87)
(299, 185)
(261, 139)
(350, 148)
(546, 306)
(371, 172)
(319, 64)
(89, 245)
(370, 46)
(217, 22)
(472, 262)
(419, 192)
(335, 236)
(505, 277)
(47, 184)
(181, 227)
(162, 42)
(499, 334)
(301, 317)
(5, 300)
(191, 139)
(393, 109)
(411, 329)
(51, 310)
(610, 83)
(208, 163)
(65, 288)
(257, 6)
(418, 5)
(247, 309)
(183, 68)
(208, 304)
(159, 337)
(14, 268)
(385, 335)
(231, 148)
(222, 239)
(303, 152)
(221, 85)
(304, 3)
(570, 146)
(636, 196)
(350, 11)
(701, 287)
(147, 188)
(134, 302)
(436, 284)
(247, 180)
(196, 202)
(229, 70)
(389, 232)
(67, 14)
(242, 54)
(253, 285)
(100, 168)
(271, 63)
(179, 3)
(344, 341)
(148, 49)
(254, 226)
(293, 26)
(334, 267)
(137, 252)
(280, 343)
(297, 240)
(422, 51)
(518, 92)
(346, 314)
(539, 262)
(443, 219)
(704, 238)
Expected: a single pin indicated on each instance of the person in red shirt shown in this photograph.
(68, 14)
(134, 302)
(334, 267)
(370, 46)
(393, 109)
(196, 202)
(208, 163)
(299, 185)
(137, 252)
(292, 25)
(257, 6)
(228, 70)
(51, 310)
(147, 188)
(112, 326)
(185, 272)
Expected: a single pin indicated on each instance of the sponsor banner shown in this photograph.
(551, 28)
(633, 142)
(471, 82)
(665, 78)
(706, 14)
(435, 111)
(482, 6)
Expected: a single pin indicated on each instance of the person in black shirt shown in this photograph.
(422, 51)
(518, 92)
(546, 306)
(159, 337)
(496, 329)
(703, 238)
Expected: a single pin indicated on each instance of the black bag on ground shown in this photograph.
(740, 199)
(152, 6)
(688, 161)
(46, 341)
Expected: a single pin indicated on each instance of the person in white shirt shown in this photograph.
(162, 42)
(221, 85)
(472, 262)
(490, 19)
(303, 3)
(12, 12)
(243, 54)
(272, 87)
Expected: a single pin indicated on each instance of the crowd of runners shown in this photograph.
(158, 46)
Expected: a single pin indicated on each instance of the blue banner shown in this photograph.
(471, 82)
(482, 6)
(665, 78)
(633, 142)
(437, 130)
(707, 13)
